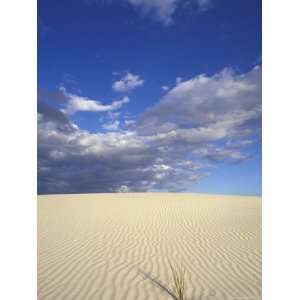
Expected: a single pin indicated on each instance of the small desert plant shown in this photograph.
(178, 281)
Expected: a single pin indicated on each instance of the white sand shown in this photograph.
(117, 246)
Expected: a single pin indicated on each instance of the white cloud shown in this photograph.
(127, 83)
(113, 115)
(165, 88)
(123, 189)
(163, 10)
(112, 126)
(107, 162)
(129, 122)
(225, 101)
(77, 103)
(198, 124)
(221, 154)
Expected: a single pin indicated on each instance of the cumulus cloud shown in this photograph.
(127, 83)
(221, 105)
(197, 125)
(77, 103)
(79, 161)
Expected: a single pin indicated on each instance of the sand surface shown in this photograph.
(117, 246)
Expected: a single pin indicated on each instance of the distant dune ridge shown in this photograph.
(118, 246)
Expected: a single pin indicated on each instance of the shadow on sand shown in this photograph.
(157, 283)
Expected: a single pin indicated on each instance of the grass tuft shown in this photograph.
(178, 281)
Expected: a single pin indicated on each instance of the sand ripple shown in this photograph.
(117, 246)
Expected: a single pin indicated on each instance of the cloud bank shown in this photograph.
(200, 123)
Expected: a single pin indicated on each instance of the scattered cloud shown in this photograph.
(111, 126)
(200, 123)
(127, 83)
(79, 161)
(164, 10)
(129, 122)
(113, 115)
(161, 10)
(165, 88)
(204, 4)
(222, 154)
(77, 103)
(123, 189)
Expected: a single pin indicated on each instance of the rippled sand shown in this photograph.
(117, 246)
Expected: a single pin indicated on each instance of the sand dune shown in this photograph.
(117, 246)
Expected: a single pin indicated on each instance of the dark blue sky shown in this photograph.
(84, 47)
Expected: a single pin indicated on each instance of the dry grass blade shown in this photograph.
(178, 281)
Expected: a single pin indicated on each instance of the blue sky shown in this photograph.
(140, 95)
